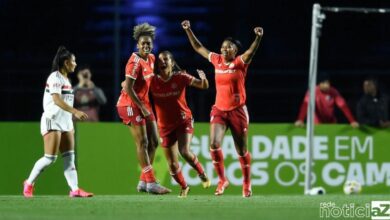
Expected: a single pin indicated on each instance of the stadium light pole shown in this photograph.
(317, 19)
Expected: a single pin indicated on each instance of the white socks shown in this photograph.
(70, 170)
(39, 166)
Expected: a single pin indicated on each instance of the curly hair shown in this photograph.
(144, 29)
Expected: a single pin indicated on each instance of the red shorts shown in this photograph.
(237, 119)
(133, 115)
(168, 138)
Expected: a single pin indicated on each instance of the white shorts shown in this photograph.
(59, 124)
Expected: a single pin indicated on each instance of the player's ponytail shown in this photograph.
(60, 57)
(176, 67)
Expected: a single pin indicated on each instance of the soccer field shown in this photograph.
(170, 207)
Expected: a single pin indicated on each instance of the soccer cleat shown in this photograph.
(184, 192)
(28, 189)
(141, 187)
(206, 183)
(80, 193)
(222, 185)
(156, 188)
(246, 190)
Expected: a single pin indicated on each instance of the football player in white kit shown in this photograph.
(57, 126)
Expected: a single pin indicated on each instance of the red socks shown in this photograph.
(198, 166)
(178, 176)
(217, 156)
(142, 177)
(148, 174)
(245, 162)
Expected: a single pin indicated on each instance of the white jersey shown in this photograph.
(57, 84)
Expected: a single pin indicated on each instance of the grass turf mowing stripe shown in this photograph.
(170, 207)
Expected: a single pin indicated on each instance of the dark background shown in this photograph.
(352, 47)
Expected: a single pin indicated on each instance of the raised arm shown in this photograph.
(195, 43)
(201, 83)
(248, 55)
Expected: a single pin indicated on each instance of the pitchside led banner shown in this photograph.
(107, 163)
(278, 158)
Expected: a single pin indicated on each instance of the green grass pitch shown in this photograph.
(169, 207)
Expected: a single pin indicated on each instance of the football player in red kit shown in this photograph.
(229, 110)
(174, 118)
(135, 110)
(326, 99)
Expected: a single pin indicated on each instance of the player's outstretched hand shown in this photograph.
(201, 74)
(258, 31)
(186, 24)
(81, 115)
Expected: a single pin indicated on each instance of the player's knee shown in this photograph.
(50, 159)
(215, 145)
(153, 143)
(173, 167)
(144, 143)
(241, 151)
(185, 153)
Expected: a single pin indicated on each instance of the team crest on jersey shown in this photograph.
(138, 118)
(231, 66)
(173, 85)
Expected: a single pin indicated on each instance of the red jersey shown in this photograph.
(141, 71)
(324, 106)
(169, 97)
(229, 81)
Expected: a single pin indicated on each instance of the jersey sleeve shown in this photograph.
(240, 62)
(187, 78)
(54, 84)
(213, 58)
(132, 68)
